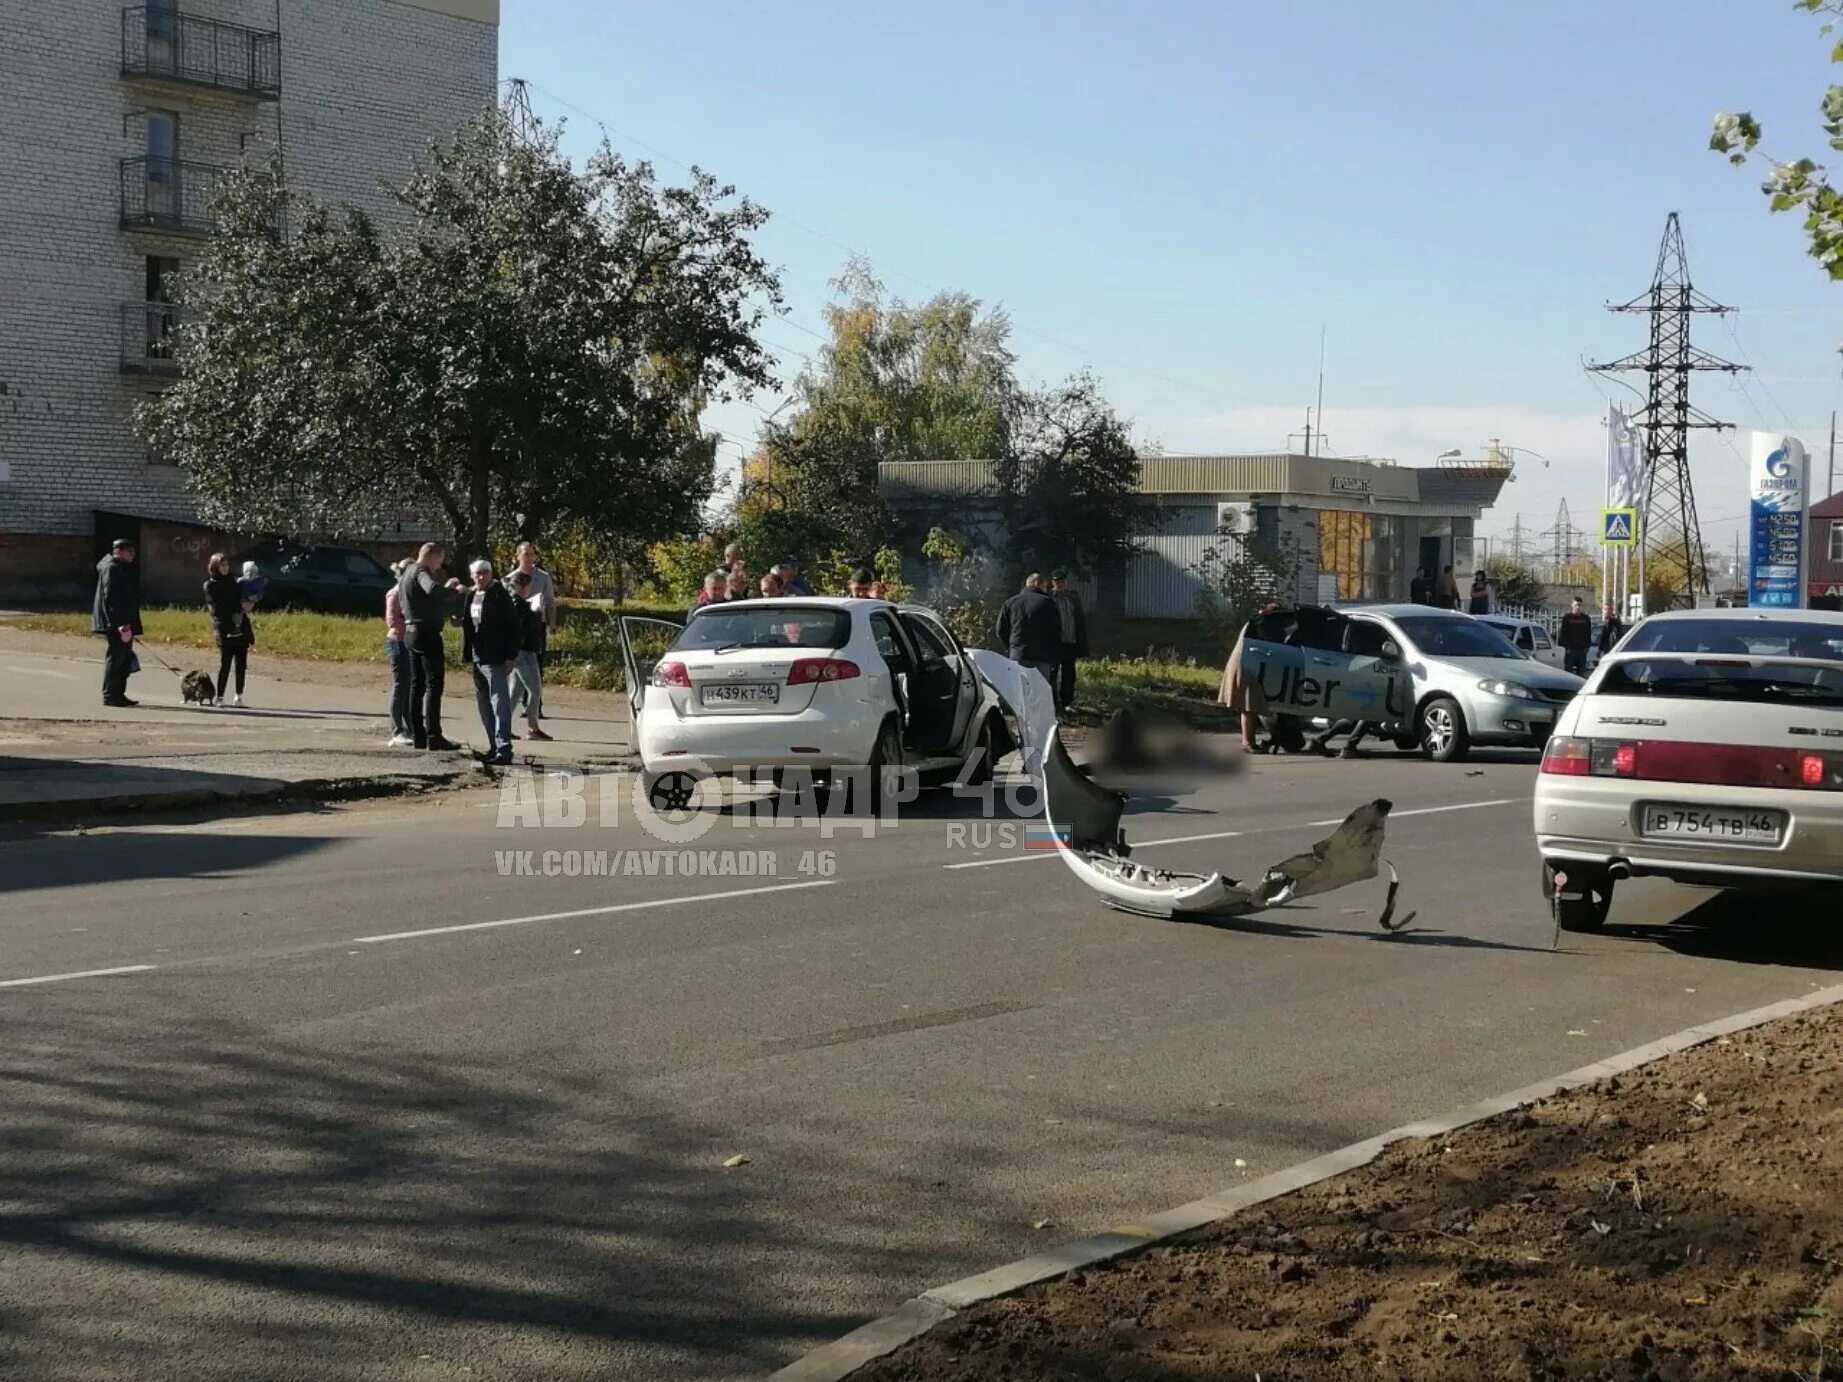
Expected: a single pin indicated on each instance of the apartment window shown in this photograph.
(162, 139)
(159, 318)
(161, 271)
(1836, 539)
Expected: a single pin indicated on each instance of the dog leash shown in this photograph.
(164, 663)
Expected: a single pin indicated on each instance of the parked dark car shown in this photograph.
(335, 580)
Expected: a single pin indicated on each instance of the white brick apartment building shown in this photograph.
(115, 118)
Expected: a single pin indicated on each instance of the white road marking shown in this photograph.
(590, 912)
(1232, 834)
(46, 672)
(79, 974)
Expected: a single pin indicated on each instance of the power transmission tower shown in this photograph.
(518, 107)
(1566, 541)
(1519, 547)
(1671, 536)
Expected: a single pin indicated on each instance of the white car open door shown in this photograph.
(643, 643)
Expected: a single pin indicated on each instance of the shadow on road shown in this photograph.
(1796, 927)
(83, 861)
(184, 1197)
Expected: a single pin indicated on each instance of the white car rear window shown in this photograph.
(1716, 678)
(747, 624)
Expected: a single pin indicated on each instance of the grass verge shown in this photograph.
(586, 653)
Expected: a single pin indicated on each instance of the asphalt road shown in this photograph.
(361, 1105)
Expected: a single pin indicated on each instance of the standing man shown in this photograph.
(1074, 625)
(531, 636)
(711, 594)
(543, 593)
(792, 582)
(489, 641)
(1420, 589)
(425, 605)
(732, 556)
(1575, 635)
(859, 583)
(1612, 629)
(1446, 590)
(1030, 627)
(117, 617)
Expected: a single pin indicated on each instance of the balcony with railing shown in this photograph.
(161, 44)
(150, 338)
(168, 194)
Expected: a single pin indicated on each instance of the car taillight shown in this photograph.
(1571, 757)
(809, 670)
(1670, 760)
(671, 674)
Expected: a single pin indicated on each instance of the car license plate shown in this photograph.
(742, 693)
(1662, 820)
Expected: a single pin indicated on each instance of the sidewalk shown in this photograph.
(311, 730)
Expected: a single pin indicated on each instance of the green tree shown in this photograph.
(1515, 583)
(896, 382)
(1801, 183)
(1068, 489)
(1239, 575)
(533, 345)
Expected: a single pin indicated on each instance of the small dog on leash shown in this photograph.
(196, 686)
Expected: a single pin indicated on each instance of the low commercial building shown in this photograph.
(119, 121)
(1824, 562)
(1345, 529)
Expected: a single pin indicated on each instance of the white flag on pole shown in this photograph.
(1621, 460)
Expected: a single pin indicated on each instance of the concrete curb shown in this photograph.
(246, 791)
(916, 1317)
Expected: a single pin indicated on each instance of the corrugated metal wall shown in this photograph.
(1160, 583)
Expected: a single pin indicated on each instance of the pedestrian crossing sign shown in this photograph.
(1618, 527)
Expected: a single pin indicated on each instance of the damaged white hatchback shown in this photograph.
(812, 684)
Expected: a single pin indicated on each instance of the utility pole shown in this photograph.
(1321, 395)
(1669, 528)
(1830, 485)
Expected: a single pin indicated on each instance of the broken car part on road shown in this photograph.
(1084, 820)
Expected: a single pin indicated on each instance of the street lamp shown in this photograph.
(1496, 449)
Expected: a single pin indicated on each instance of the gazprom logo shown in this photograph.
(1779, 464)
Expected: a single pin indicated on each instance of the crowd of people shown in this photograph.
(1442, 591)
(506, 626)
(505, 633)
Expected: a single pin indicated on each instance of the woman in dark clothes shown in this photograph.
(230, 622)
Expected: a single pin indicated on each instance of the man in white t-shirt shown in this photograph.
(542, 592)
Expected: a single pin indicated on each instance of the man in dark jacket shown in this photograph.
(1420, 589)
(1073, 620)
(427, 607)
(117, 617)
(1575, 634)
(489, 641)
(1612, 629)
(1030, 627)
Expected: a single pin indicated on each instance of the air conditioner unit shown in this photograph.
(1235, 520)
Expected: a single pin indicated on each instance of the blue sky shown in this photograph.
(1178, 194)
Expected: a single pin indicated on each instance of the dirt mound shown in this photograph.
(1681, 1221)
